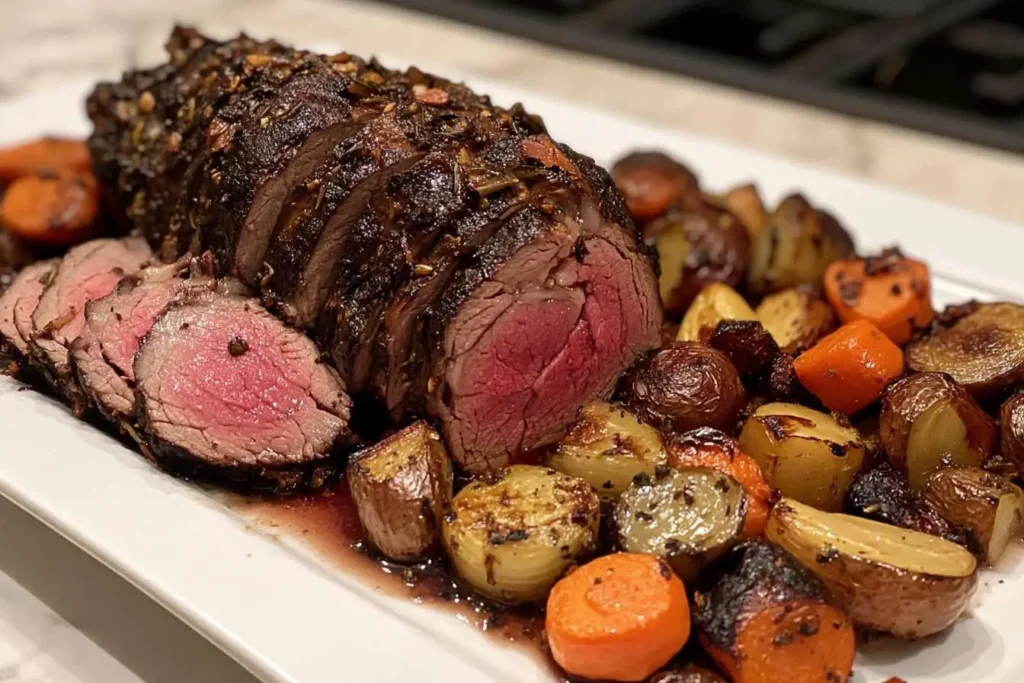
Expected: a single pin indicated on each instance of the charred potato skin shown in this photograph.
(748, 346)
(653, 182)
(983, 350)
(683, 386)
(401, 487)
(970, 496)
(714, 304)
(1011, 431)
(909, 398)
(796, 319)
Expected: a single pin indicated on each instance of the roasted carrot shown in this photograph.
(708, 447)
(890, 290)
(619, 618)
(768, 620)
(53, 207)
(41, 155)
(849, 369)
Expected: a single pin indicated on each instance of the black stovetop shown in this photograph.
(951, 67)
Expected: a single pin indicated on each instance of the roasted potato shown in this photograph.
(748, 346)
(690, 516)
(990, 506)
(715, 303)
(401, 487)
(691, 673)
(795, 318)
(768, 620)
(607, 446)
(795, 246)
(983, 351)
(884, 495)
(683, 386)
(652, 183)
(928, 421)
(1011, 431)
(804, 453)
(745, 201)
(888, 579)
(511, 533)
(696, 247)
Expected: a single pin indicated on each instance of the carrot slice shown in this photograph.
(43, 154)
(708, 447)
(850, 368)
(890, 290)
(618, 618)
(53, 207)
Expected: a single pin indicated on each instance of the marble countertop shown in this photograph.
(66, 618)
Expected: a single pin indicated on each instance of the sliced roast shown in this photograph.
(17, 304)
(227, 391)
(87, 272)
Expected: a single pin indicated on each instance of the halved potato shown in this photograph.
(607, 446)
(796, 319)
(715, 303)
(745, 201)
(401, 487)
(689, 515)
(804, 453)
(511, 533)
(990, 506)
(888, 579)
(1011, 431)
(983, 351)
(928, 421)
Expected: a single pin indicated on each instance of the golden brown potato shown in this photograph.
(983, 352)
(715, 303)
(401, 487)
(928, 421)
(1011, 431)
(683, 386)
(745, 201)
(696, 247)
(652, 183)
(888, 579)
(795, 246)
(512, 533)
(796, 319)
(689, 515)
(804, 453)
(607, 446)
(990, 506)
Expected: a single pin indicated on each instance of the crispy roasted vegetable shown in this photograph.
(652, 183)
(683, 386)
(887, 579)
(768, 620)
(804, 453)
(401, 488)
(1011, 431)
(990, 506)
(795, 246)
(796, 319)
(928, 421)
(745, 202)
(511, 533)
(748, 346)
(690, 516)
(715, 303)
(983, 351)
(691, 673)
(697, 246)
(884, 495)
(607, 446)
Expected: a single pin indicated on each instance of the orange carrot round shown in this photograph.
(43, 154)
(850, 368)
(618, 618)
(890, 290)
(56, 207)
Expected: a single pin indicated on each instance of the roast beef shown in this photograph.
(227, 391)
(87, 272)
(16, 307)
(445, 254)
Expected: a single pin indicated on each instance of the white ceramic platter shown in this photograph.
(287, 616)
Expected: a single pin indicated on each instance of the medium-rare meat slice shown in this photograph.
(17, 304)
(226, 390)
(87, 272)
